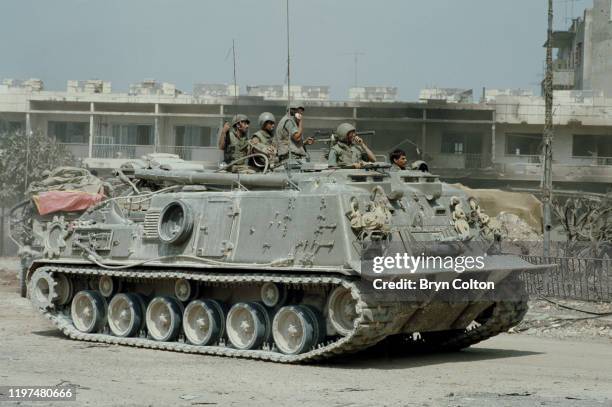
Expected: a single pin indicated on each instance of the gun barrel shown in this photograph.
(213, 178)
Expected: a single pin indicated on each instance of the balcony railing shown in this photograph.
(121, 150)
(602, 161)
(190, 153)
(79, 150)
(130, 151)
(461, 161)
(524, 158)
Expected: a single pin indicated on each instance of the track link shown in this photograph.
(504, 315)
(373, 323)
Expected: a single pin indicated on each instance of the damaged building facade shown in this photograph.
(496, 142)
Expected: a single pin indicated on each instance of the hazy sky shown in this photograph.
(410, 44)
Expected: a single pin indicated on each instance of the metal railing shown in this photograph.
(193, 153)
(524, 158)
(121, 150)
(589, 160)
(79, 150)
(574, 278)
(461, 160)
(130, 151)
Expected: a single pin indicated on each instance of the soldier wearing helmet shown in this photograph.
(233, 140)
(263, 140)
(290, 134)
(350, 149)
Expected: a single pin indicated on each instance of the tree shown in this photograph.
(25, 159)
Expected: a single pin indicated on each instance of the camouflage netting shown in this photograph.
(67, 189)
(70, 179)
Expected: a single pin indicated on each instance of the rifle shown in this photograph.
(330, 137)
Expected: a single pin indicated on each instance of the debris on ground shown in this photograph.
(565, 319)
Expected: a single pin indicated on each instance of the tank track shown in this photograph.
(374, 321)
(504, 315)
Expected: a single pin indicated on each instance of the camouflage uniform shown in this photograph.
(344, 155)
(285, 130)
(237, 147)
(264, 137)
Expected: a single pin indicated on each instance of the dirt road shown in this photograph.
(508, 370)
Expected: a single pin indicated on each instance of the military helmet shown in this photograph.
(266, 117)
(296, 106)
(343, 131)
(239, 118)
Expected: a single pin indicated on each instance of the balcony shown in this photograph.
(121, 150)
(189, 153)
(523, 159)
(131, 151)
(461, 161)
(596, 161)
(563, 78)
(79, 150)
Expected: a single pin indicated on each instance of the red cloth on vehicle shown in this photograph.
(65, 201)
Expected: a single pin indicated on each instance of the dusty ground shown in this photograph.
(522, 370)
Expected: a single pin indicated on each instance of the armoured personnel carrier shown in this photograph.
(265, 266)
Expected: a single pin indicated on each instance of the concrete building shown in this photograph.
(449, 95)
(373, 94)
(584, 56)
(298, 92)
(497, 142)
(89, 86)
(215, 90)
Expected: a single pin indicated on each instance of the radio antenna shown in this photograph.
(289, 95)
(288, 62)
(235, 79)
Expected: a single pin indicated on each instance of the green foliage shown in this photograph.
(39, 152)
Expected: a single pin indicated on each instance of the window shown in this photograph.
(194, 136)
(462, 143)
(16, 127)
(452, 144)
(132, 134)
(523, 144)
(69, 132)
(578, 55)
(588, 145)
(11, 126)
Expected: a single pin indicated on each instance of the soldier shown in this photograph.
(233, 140)
(398, 160)
(290, 135)
(263, 141)
(350, 150)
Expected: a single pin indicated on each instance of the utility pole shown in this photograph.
(548, 134)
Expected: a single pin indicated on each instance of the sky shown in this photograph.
(409, 44)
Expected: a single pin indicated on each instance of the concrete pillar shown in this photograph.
(221, 122)
(91, 130)
(2, 250)
(156, 129)
(28, 125)
(423, 134)
(493, 135)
